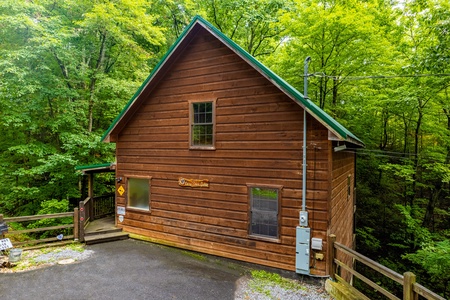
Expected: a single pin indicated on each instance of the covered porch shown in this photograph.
(97, 212)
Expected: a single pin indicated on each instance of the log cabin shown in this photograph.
(209, 158)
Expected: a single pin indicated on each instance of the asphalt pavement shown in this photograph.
(128, 270)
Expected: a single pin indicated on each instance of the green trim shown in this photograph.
(312, 108)
(97, 166)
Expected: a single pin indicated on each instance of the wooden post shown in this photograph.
(1, 220)
(331, 255)
(91, 196)
(81, 219)
(76, 224)
(408, 283)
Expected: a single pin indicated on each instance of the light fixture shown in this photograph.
(340, 148)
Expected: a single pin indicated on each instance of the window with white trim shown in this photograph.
(201, 124)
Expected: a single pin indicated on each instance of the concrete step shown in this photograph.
(105, 237)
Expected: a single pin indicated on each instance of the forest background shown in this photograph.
(381, 68)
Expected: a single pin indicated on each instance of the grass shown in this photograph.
(263, 281)
(197, 256)
(28, 259)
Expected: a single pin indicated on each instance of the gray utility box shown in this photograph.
(303, 237)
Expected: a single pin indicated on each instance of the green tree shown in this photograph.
(435, 259)
(343, 38)
(254, 25)
(66, 70)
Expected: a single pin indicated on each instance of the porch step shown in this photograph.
(103, 237)
(89, 232)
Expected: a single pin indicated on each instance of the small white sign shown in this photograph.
(120, 219)
(121, 210)
(5, 244)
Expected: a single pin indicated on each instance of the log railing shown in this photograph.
(33, 243)
(411, 289)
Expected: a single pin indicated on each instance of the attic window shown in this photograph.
(201, 116)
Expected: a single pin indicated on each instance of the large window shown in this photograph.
(264, 206)
(202, 124)
(139, 193)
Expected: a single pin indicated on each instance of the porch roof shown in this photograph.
(97, 168)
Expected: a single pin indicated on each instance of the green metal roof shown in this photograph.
(331, 124)
(96, 168)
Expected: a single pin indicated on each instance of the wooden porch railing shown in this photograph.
(104, 205)
(66, 239)
(94, 208)
(411, 289)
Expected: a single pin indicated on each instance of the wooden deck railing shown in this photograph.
(103, 205)
(32, 243)
(94, 208)
(88, 210)
(411, 289)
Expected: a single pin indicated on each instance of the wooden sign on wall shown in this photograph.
(195, 183)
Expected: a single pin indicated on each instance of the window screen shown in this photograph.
(264, 212)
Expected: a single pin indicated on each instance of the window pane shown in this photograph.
(138, 193)
(264, 212)
(202, 124)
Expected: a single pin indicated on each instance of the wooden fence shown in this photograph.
(88, 210)
(411, 289)
(32, 243)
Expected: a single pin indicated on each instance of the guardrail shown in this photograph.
(411, 289)
(65, 239)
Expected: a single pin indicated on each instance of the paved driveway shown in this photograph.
(128, 270)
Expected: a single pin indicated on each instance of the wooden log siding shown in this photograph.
(342, 204)
(259, 133)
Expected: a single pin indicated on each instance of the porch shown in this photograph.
(97, 220)
(97, 213)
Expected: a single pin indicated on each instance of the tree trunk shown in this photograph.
(100, 60)
(432, 202)
(447, 114)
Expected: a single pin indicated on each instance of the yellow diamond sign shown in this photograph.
(121, 190)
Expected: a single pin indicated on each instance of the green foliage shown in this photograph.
(435, 259)
(67, 68)
(254, 24)
(52, 207)
(368, 240)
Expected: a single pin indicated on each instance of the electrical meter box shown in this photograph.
(303, 218)
(303, 237)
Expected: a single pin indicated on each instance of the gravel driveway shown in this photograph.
(134, 269)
